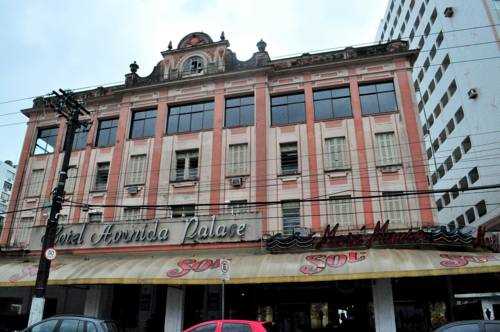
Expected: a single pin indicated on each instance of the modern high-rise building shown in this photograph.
(7, 174)
(457, 81)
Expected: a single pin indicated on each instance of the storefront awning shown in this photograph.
(249, 268)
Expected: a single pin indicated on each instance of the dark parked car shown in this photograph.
(471, 326)
(73, 323)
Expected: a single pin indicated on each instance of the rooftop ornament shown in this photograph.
(261, 46)
(222, 36)
(133, 67)
(170, 45)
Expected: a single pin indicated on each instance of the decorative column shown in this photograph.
(154, 177)
(261, 147)
(383, 305)
(116, 163)
(216, 167)
(364, 174)
(174, 312)
(312, 154)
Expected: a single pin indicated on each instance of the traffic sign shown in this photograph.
(50, 254)
(225, 269)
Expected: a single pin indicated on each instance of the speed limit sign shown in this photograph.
(224, 269)
(50, 254)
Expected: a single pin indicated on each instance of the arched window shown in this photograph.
(193, 65)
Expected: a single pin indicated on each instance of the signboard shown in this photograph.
(214, 229)
(250, 268)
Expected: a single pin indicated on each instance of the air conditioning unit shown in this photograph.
(448, 12)
(133, 190)
(236, 182)
(472, 93)
(302, 231)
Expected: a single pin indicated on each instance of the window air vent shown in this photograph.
(236, 182)
(133, 190)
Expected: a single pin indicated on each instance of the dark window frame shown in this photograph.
(147, 119)
(377, 94)
(321, 96)
(232, 108)
(288, 165)
(81, 137)
(111, 131)
(278, 105)
(201, 111)
(39, 136)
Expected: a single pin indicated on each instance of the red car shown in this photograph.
(229, 325)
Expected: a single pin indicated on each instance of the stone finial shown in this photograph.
(133, 67)
(170, 45)
(222, 36)
(261, 46)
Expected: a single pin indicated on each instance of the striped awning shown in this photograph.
(248, 267)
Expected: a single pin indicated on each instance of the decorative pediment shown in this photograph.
(194, 39)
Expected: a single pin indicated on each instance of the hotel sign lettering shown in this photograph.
(224, 228)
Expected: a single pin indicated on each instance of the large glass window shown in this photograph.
(189, 118)
(288, 109)
(69, 187)
(193, 65)
(106, 133)
(239, 112)
(291, 216)
(377, 98)
(143, 124)
(332, 104)
(45, 141)
(80, 139)
(393, 208)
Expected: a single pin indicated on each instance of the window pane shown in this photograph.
(232, 102)
(235, 327)
(208, 119)
(149, 127)
(174, 110)
(323, 109)
(208, 105)
(48, 326)
(103, 138)
(369, 104)
(184, 122)
(233, 117)
(326, 94)
(278, 100)
(342, 107)
(197, 121)
(205, 328)
(246, 115)
(296, 113)
(173, 122)
(297, 98)
(341, 92)
(69, 325)
(370, 88)
(382, 87)
(137, 129)
(279, 115)
(247, 100)
(387, 101)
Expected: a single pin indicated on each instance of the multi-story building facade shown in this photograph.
(456, 76)
(210, 157)
(7, 174)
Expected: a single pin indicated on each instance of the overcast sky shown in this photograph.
(47, 45)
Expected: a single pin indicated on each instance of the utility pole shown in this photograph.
(70, 109)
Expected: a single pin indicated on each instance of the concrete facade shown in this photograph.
(457, 77)
(7, 175)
